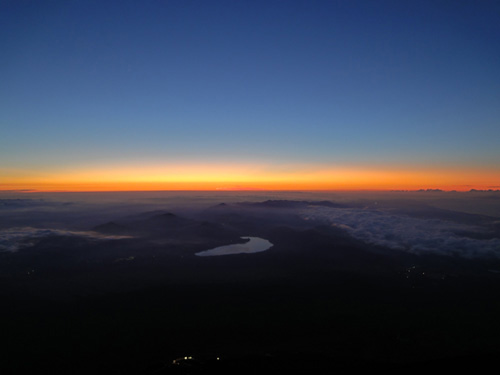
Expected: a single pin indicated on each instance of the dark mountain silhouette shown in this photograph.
(171, 226)
(162, 225)
(293, 204)
(112, 228)
(319, 300)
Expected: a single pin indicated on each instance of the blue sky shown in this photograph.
(273, 82)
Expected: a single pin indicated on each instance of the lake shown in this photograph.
(254, 245)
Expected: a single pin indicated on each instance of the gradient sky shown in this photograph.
(249, 94)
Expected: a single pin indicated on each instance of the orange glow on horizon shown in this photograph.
(249, 177)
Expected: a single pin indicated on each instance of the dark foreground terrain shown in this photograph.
(318, 300)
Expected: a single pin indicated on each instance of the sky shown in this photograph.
(216, 95)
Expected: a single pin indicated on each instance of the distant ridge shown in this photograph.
(170, 226)
(111, 228)
(293, 204)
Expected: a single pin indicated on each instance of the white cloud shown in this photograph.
(406, 233)
(13, 239)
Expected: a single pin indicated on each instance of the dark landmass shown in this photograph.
(319, 300)
(483, 191)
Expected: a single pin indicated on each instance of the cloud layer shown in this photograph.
(406, 233)
(13, 239)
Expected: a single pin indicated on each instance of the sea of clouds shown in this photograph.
(13, 239)
(406, 233)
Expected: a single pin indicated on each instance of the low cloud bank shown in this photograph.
(407, 233)
(13, 239)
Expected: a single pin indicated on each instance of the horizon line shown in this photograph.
(420, 190)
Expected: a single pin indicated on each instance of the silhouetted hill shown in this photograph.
(161, 225)
(319, 300)
(293, 204)
(112, 228)
(171, 226)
